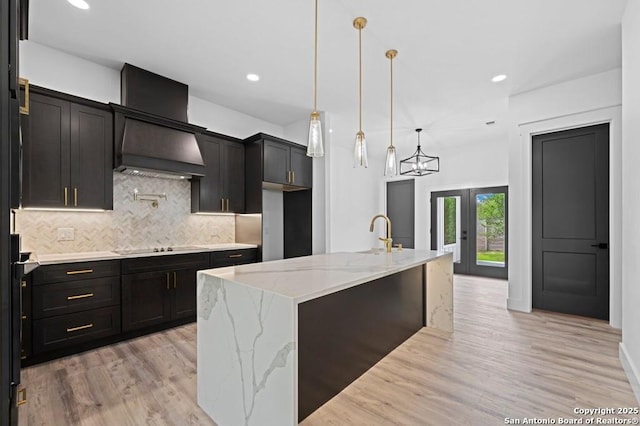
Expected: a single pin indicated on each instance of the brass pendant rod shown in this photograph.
(360, 77)
(391, 66)
(315, 63)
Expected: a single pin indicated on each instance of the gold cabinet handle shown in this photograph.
(24, 317)
(80, 296)
(75, 197)
(288, 176)
(24, 83)
(81, 327)
(233, 256)
(24, 284)
(22, 397)
(175, 280)
(221, 204)
(79, 272)
(227, 204)
(293, 176)
(66, 196)
(167, 281)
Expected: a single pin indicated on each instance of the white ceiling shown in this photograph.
(448, 52)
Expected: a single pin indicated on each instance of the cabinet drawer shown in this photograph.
(168, 262)
(75, 296)
(72, 329)
(75, 271)
(233, 257)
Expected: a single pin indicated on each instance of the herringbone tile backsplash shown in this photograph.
(131, 224)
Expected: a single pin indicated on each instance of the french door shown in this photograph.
(472, 224)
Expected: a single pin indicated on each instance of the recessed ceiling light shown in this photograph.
(80, 4)
(499, 78)
(253, 77)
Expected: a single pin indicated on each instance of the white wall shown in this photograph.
(630, 346)
(57, 70)
(353, 196)
(585, 101)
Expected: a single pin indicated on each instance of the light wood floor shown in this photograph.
(496, 364)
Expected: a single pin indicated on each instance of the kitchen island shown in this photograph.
(276, 340)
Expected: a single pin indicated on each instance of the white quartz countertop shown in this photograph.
(55, 258)
(309, 277)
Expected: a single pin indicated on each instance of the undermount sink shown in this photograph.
(373, 251)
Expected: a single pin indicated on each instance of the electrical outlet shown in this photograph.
(66, 234)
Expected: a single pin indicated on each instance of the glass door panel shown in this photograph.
(449, 225)
(488, 231)
(472, 224)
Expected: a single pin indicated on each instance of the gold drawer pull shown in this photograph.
(80, 296)
(23, 283)
(22, 397)
(24, 317)
(82, 271)
(82, 327)
(231, 256)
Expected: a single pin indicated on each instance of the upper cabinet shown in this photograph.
(286, 164)
(67, 152)
(222, 187)
(274, 163)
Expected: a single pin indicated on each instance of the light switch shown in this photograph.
(66, 234)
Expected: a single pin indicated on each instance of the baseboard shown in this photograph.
(631, 370)
(518, 305)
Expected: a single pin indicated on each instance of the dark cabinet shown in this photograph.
(222, 187)
(67, 152)
(162, 289)
(286, 164)
(221, 259)
(145, 300)
(72, 303)
(184, 294)
(275, 164)
(301, 168)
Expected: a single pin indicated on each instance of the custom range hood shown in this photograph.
(151, 133)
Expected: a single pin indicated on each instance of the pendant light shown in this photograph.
(360, 148)
(314, 146)
(419, 164)
(391, 161)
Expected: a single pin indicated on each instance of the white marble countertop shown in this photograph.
(55, 258)
(309, 277)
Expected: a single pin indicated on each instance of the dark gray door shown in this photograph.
(571, 221)
(401, 207)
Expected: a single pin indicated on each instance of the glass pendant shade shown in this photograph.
(315, 147)
(391, 162)
(360, 151)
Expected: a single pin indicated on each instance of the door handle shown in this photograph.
(167, 281)
(175, 280)
(600, 245)
(75, 197)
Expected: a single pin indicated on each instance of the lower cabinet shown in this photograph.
(71, 304)
(72, 329)
(153, 298)
(159, 289)
(145, 300)
(72, 307)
